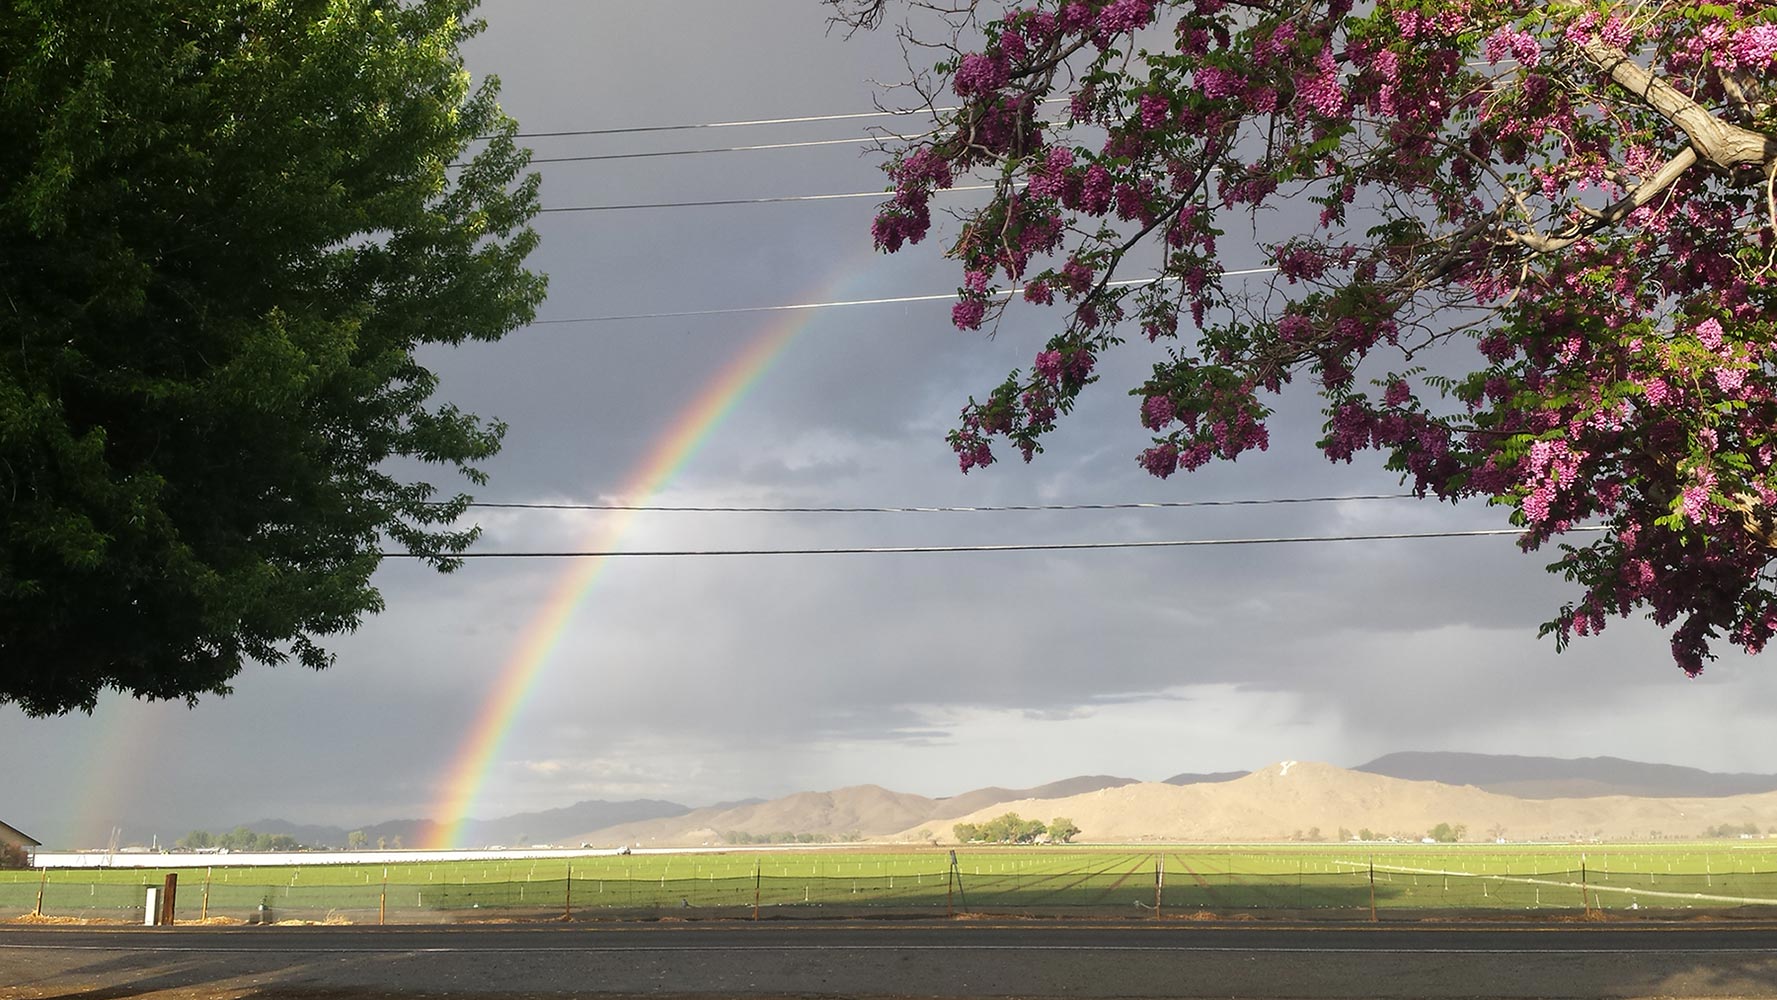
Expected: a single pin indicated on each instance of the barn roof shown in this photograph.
(13, 835)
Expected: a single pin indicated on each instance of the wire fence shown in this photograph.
(1146, 886)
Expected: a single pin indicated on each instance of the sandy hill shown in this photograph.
(869, 810)
(1284, 800)
(982, 798)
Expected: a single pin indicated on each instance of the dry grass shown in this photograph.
(331, 920)
(1200, 915)
(32, 918)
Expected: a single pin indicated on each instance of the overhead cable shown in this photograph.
(1171, 543)
(982, 509)
(799, 120)
(748, 201)
(890, 300)
(855, 141)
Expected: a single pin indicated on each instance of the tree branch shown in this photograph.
(1720, 143)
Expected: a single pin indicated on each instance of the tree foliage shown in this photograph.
(240, 838)
(1445, 833)
(225, 229)
(1062, 830)
(1523, 250)
(1009, 828)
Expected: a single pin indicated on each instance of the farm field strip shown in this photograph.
(1029, 867)
(1587, 886)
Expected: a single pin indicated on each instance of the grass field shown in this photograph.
(1727, 874)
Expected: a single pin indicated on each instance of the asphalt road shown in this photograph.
(956, 960)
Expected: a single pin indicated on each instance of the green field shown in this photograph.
(1345, 877)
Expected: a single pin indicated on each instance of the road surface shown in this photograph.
(886, 959)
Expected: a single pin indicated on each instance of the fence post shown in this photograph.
(168, 898)
(203, 912)
(756, 879)
(382, 899)
(1585, 895)
(1159, 880)
(1372, 889)
(568, 895)
(40, 884)
(957, 874)
(950, 888)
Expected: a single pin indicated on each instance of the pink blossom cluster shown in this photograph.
(1623, 376)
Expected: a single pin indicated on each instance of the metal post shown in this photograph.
(950, 888)
(1159, 880)
(1585, 895)
(382, 901)
(568, 895)
(1372, 890)
(756, 879)
(40, 884)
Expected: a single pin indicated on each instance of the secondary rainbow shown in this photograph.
(665, 457)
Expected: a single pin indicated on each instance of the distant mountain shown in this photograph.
(549, 826)
(1307, 800)
(1556, 777)
(867, 810)
(981, 798)
(559, 826)
(1205, 779)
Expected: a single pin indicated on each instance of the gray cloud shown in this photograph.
(711, 679)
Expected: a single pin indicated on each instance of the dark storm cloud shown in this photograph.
(706, 679)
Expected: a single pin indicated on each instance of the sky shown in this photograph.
(709, 679)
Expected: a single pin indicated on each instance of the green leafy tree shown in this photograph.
(966, 833)
(1444, 833)
(1062, 830)
(357, 840)
(1010, 828)
(225, 229)
(238, 839)
(197, 840)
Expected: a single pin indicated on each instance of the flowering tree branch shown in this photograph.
(1574, 204)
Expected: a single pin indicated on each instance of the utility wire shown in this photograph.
(1155, 505)
(802, 119)
(857, 141)
(891, 300)
(749, 201)
(1172, 543)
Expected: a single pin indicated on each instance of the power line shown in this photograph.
(890, 300)
(798, 120)
(1012, 547)
(748, 201)
(984, 509)
(856, 141)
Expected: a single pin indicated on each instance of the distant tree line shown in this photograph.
(1013, 829)
(1733, 830)
(238, 839)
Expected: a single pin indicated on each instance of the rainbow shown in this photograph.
(114, 754)
(665, 457)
